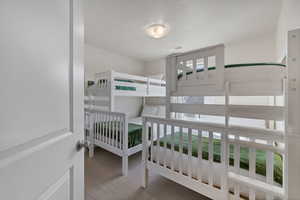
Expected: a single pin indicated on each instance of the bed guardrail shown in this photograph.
(190, 62)
(109, 131)
(212, 160)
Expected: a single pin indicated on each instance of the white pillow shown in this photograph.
(157, 76)
(161, 111)
(149, 111)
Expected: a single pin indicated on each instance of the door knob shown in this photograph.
(81, 144)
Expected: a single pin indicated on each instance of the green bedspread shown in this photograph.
(134, 132)
(244, 154)
(134, 135)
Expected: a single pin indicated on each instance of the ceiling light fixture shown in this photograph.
(157, 30)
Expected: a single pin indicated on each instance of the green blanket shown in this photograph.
(134, 132)
(134, 135)
(122, 87)
(244, 154)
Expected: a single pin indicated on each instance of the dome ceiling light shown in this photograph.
(157, 30)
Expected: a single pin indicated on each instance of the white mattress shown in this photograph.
(137, 120)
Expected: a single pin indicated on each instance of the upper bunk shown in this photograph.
(203, 73)
(122, 84)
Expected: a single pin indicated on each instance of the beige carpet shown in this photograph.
(104, 181)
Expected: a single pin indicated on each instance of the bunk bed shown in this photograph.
(114, 84)
(112, 130)
(218, 158)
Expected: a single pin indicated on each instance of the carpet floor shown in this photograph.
(103, 181)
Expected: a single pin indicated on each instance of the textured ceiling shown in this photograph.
(118, 25)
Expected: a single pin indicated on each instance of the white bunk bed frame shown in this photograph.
(183, 170)
(100, 109)
(144, 87)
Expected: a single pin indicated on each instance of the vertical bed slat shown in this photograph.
(190, 153)
(100, 127)
(106, 128)
(93, 136)
(237, 168)
(184, 70)
(100, 117)
(195, 68)
(172, 147)
(224, 162)
(122, 138)
(152, 133)
(270, 157)
(117, 132)
(224, 142)
(97, 126)
(103, 126)
(158, 144)
(180, 150)
(199, 167)
(252, 169)
(109, 129)
(121, 133)
(112, 139)
(269, 170)
(92, 133)
(100, 124)
(145, 138)
(125, 146)
(113, 116)
(210, 157)
(165, 145)
(205, 68)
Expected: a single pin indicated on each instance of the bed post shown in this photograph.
(111, 91)
(170, 82)
(125, 147)
(91, 134)
(144, 154)
(144, 101)
(148, 86)
(225, 146)
(291, 169)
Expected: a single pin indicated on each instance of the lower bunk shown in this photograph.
(204, 158)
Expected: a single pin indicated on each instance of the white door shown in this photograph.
(41, 100)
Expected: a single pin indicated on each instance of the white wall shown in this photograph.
(289, 19)
(259, 49)
(155, 67)
(130, 105)
(99, 60)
